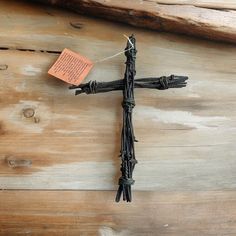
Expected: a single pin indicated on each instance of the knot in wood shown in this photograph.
(3, 67)
(14, 163)
(28, 112)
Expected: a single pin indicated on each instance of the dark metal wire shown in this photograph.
(127, 136)
(161, 83)
(127, 85)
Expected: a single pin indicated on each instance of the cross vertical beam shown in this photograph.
(127, 136)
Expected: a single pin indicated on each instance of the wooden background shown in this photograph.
(209, 19)
(59, 162)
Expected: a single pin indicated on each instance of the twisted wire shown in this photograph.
(161, 83)
(128, 160)
(127, 85)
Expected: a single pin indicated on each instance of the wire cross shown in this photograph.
(127, 85)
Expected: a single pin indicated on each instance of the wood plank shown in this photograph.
(50, 139)
(182, 19)
(186, 136)
(213, 4)
(95, 213)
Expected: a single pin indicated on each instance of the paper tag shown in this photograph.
(71, 67)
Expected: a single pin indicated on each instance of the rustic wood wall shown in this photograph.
(214, 19)
(59, 162)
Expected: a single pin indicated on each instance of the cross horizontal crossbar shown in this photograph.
(160, 83)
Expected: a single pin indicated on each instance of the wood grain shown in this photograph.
(186, 136)
(52, 140)
(95, 213)
(212, 4)
(189, 19)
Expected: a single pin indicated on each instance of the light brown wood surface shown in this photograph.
(182, 17)
(212, 4)
(52, 140)
(95, 213)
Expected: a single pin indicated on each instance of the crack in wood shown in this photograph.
(76, 25)
(29, 50)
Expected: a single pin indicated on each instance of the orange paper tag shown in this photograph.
(71, 67)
